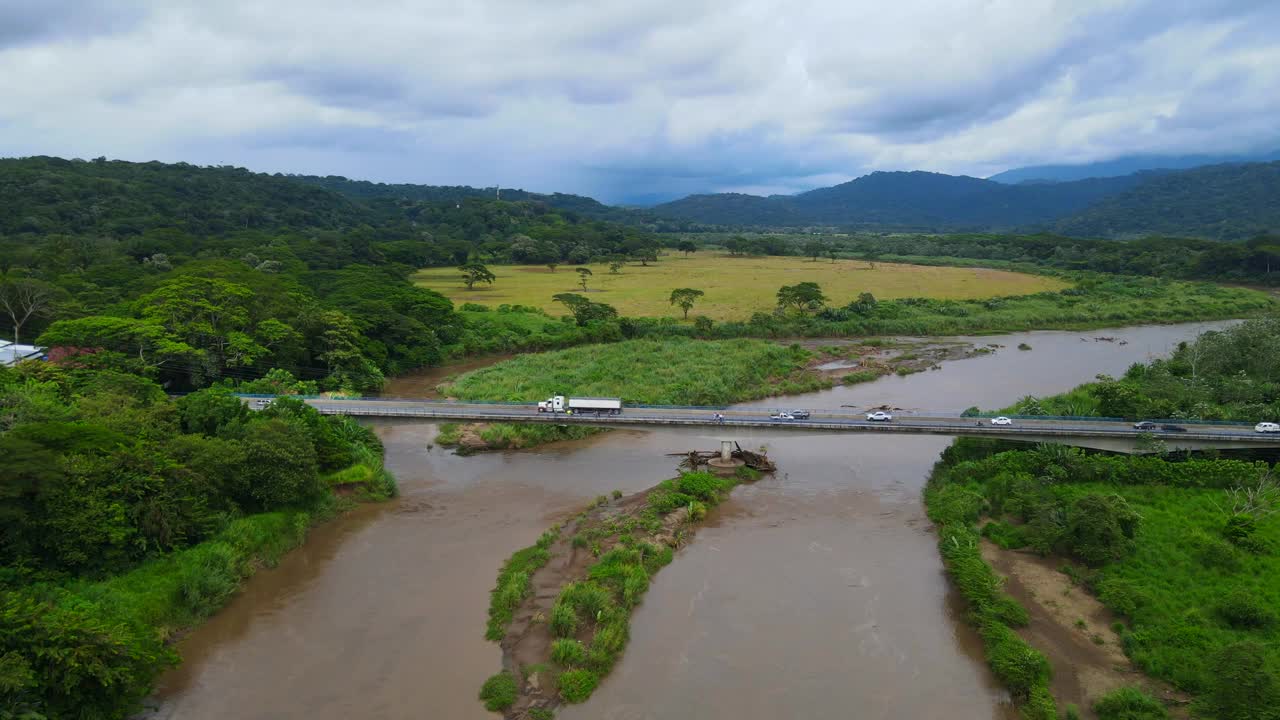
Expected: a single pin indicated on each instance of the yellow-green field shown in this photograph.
(735, 287)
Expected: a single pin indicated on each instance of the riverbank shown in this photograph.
(561, 609)
(857, 611)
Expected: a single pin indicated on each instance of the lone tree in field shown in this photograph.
(685, 298)
(473, 273)
(802, 296)
(831, 252)
(553, 266)
(585, 311)
(646, 256)
(23, 299)
(615, 263)
(583, 274)
(872, 256)
(686, 247)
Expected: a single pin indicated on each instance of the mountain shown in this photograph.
(1221, 202)
(904, 200)
(1126, 165)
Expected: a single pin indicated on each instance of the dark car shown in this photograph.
(1167, 427)
(800, 414)
(1144, 425)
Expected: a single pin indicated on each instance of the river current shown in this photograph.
(814, 593)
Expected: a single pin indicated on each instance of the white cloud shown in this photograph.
(649, 96)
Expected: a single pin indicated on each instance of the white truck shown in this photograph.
(581, 405)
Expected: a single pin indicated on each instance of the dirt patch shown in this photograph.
(836, 358)
(1074, 630)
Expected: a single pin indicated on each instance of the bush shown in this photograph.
(499, 692)
(564, 621)
(577, 685)
(568, 652)
(1019, 666)
(1122, 596)
(1100, 529)
(1244, 687)
(1244, 611)
(701, 485)
(1129, 703)
(587, 598)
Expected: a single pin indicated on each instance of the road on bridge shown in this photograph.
(1069, 431)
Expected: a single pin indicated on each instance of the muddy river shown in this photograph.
(817, 593)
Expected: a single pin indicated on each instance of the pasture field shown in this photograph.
(735, 287)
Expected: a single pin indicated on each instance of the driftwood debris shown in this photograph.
(695, 459)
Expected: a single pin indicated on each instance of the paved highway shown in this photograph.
(1083, 432)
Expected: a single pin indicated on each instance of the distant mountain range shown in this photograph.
(1224, 202)
(1126, 165)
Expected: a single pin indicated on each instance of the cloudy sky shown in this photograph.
(639, 98)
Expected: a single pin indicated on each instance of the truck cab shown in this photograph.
(553, 404)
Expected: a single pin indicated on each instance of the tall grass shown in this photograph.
(675, 371)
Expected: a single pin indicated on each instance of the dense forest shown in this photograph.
(193, 274)
(1221, 202)
(578, 204)
(1256, 260)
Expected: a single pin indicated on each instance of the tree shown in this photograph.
(473, 273)
(831, 252)
(685, 298)
(584, 311)
(801, 296)
(615, 264)
(646, 255)
(864, 305)
(23, 299)
(872, 256)
(815, 249)
(553, 266)
(583, 274)
(686, 247)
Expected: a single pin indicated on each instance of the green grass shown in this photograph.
(735, 287)
(513, 583)
(1188, 594)
(675, 371)
(498, 692)
(179, 589)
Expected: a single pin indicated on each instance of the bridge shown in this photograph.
(1100, 434)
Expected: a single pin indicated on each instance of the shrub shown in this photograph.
(577, 685)
(1129, 703)
(1244, 611)
(617, 494)
(564, 621)
(568, 652)
(701, 485)
(1244, 687)
(498, 692)
(1122, 596)
(541, 713)
(1018, 665)
(587, 598)
(1100, 529)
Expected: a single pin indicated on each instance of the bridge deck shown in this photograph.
(1101, 434)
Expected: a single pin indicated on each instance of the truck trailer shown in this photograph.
(581, 405)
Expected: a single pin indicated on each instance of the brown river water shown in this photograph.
(816, 593)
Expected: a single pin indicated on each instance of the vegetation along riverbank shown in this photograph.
(673, 371)
(1178, 554)
(130, 516)
(561, 608)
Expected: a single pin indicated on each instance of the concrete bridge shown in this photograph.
(1097, 434)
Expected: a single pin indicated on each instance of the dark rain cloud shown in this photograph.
(646, 99)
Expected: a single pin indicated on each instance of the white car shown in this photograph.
(1267, 427)
(1002, 420)
(782, 416)
(879, 416)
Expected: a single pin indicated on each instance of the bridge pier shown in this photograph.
(726, 464)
